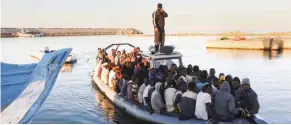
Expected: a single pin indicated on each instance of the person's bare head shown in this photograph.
(118, 53)
(160, 6)
(113, 51)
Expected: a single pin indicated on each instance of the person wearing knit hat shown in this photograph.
(248, 97)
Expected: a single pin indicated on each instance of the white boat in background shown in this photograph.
(25, 33)
(24, 87)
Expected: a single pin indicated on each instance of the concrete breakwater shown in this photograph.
(12, 32)
(253, 44)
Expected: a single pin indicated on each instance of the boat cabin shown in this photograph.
(157, 59)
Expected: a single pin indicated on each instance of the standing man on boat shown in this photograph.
(159, 16)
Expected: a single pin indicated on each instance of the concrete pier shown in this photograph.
(255, 44)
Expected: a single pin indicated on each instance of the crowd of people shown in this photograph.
(189, 92)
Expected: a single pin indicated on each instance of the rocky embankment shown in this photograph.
(12, 32)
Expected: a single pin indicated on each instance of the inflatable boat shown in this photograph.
(70, 59)
(24, 87)
(140, 111)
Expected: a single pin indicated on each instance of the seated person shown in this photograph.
(224, 103)
(248, 97)
(196, 71)
(111, 77)
(181, 87)
(188, 102)
(211, 78)
(119, 83)
(203, 109)
(105, 73)
(235, 85)
(202, 81)
(123, 90)
(156, 98)
(98, 68)
(141, 90)
(129, 94)
(146, 92)
(169, 95)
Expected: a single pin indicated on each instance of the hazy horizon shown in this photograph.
(184, 16)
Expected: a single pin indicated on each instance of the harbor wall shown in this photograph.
(12, 32)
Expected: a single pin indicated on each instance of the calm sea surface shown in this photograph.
(74, 99)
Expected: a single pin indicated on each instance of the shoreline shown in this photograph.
(131, 32)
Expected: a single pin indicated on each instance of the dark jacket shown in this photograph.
(159, 18)
(187, 105)
(139, 75)
(127, 71)
(224, 103)
(249, 100)
(211, 80)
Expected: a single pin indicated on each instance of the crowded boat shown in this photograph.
(163, 87)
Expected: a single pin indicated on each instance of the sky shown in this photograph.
(184, 15)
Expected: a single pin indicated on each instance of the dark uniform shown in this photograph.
(159, 22)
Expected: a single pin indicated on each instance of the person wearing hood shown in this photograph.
(141, 90)
(204, 106)
(224, 103)
(196, 71)
(248, 98)
(202, 81)
(211, 78)
(156, 98)
(235, 85)
(188, 102)
(169, 94)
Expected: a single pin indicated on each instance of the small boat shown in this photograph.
(24, 87)
(70, 60)
(24, 33)
(140, 111)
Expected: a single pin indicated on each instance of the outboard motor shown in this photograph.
(46, 50)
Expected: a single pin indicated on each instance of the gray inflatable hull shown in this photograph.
(140, 111)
